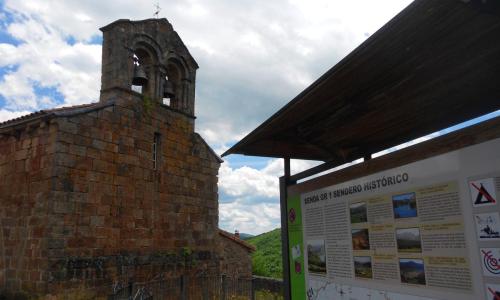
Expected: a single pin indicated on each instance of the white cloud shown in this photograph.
(44, 59)
(8, 115)
(253, 57)
(248, 181)
(18, 92)
(249, 218)
(257, 182)
(254, 62)
(9, 55)
(251, 202)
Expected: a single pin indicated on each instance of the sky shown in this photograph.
(254, 57)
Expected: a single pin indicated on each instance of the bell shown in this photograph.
(168, 89)
(140, 77)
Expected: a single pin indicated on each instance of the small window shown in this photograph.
(156, 149)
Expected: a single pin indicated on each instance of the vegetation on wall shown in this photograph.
(266, 260)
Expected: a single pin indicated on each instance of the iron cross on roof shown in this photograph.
(158, 9)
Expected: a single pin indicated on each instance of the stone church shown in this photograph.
(121, 189)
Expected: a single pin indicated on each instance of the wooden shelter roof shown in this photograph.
(434, 65)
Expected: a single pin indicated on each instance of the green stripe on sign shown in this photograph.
(296, 250)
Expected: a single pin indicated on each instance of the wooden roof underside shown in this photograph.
(436, 64)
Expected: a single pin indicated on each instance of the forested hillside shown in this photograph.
(246, 236)
(266, 260)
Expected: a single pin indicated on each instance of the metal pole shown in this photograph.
(252, 287)
(287, 168)
(184, 287)
(204, 286)
(284, 182)
(224, 287)
(130, 289)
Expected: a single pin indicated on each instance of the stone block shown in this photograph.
(127, 141)
(21, 154)
(84, 130)
(55, 243)
(121, 180)
(101, 166)
(96, 221)
(65, 159)
(108, 136)
(63, 207)
(83, 140)
(103, 210)
(78, 150)
(99, 144)
(93, 153)
(64, 137)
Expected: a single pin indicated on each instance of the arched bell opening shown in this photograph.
(139, 77)
(143, 73)
(168, 91)
(173, 89)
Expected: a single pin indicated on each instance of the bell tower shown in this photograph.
(149, 58)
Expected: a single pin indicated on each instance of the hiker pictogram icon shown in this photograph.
(483, 192)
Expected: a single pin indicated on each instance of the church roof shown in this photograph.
(47, 114)
(69, 111)
(237, 240)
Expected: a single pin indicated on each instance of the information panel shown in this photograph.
(426, 230)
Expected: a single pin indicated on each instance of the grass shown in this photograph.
(410, 250)
(363, 272)
(266, 295)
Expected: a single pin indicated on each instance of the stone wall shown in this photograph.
(236, 261)
(267, 284)
(26, 158)
(111, 204)
(82, 205)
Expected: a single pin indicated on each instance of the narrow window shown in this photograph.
(156, 147)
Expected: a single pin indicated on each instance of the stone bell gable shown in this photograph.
(158, 51)
(116, 191)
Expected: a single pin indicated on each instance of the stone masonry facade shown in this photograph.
(236, 261)
(26, 160)
(115, 191)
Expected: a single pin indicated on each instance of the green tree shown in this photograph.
(266, 260)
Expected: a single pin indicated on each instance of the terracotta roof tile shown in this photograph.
(237, 240)
(55, 112)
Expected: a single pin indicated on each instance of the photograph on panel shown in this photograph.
(412, 270)
(358, 212)
(316, 257)
(408, 240)
(360, 239)
(404, 205)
